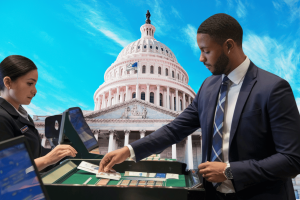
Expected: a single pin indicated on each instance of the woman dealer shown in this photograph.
(18, 78)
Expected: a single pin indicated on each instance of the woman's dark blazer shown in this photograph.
(11, 124)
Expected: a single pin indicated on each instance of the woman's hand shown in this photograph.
(58, 153)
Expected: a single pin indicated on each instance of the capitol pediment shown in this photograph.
(133, 109)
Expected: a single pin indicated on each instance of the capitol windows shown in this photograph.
(138, 47)
(143, 96)
(167, 51)
(150, 47)
(121, 72)
(127, 72)
(133, 95)
(151, 97)
(151, 69)
(167, 74)
(173, 74)
(160, 99)
(178, 76)
(144, 69)
(159, 70)
(162, 49)
(156, 48)
(145, 46)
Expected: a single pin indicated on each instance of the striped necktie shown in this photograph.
(216, 153)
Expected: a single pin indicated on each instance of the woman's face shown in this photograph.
(22, 90)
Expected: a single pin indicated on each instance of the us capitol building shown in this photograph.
(126, 109)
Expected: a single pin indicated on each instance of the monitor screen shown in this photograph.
(18, 179)
(83, 130)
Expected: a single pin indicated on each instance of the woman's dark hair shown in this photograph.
(222, 27)
(15, 66)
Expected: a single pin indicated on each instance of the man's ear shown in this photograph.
(7, 82)
(229, 45)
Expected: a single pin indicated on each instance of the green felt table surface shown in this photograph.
(80, 176)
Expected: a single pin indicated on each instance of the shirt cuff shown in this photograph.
(132, 154)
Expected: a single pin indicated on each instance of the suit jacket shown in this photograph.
(264, 145)
(10, 126)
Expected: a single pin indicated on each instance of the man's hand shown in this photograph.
(112, 158)
(213, 171)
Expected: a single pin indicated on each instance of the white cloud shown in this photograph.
(279, 57)
(32, 109)
(92, 18)
(175, 12)
(218, 3)
(190, 33)
(241, 10)
(45, 72)
(276, 5)
(230, 3)
(158, 18)
(111, 35)
(46, 37)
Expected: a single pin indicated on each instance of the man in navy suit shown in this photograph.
(249, 120)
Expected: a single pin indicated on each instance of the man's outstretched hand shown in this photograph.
(112, 158)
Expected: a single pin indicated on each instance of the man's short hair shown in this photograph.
(222, 27)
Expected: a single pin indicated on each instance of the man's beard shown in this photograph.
(220, 65)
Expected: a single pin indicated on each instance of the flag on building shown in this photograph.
(131, 66)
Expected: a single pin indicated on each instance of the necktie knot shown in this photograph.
(225, 80)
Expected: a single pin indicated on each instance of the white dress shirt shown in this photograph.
(236, 78)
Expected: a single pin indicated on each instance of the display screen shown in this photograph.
(18, 179)
(83, 130)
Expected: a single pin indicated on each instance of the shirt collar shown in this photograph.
(239, 73)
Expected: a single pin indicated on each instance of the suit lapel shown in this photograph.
(248, 83)
(213, 92)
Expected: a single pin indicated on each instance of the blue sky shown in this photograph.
(74, 42)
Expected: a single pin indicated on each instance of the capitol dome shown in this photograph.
(160, 79)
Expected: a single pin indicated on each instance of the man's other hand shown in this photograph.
(213, 171)
(112, 158)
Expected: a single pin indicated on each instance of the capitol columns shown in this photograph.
(137, 91)
(109, 98)
(177, 100)
(157, 95)
(183, 102)
(118, 94)
(127, 95)
(174, 155)
(142, 133)
(103, 101)
(168, 97)
(126, 137)
(189, 152)
(189, 100)
(122, 96)
(148, 93)
(111, 141)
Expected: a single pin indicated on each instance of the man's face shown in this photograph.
(212, 55)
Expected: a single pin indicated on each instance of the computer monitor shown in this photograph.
(75, 131)
(19, 177)
(78, 122)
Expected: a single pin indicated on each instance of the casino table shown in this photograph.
(67, 182)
